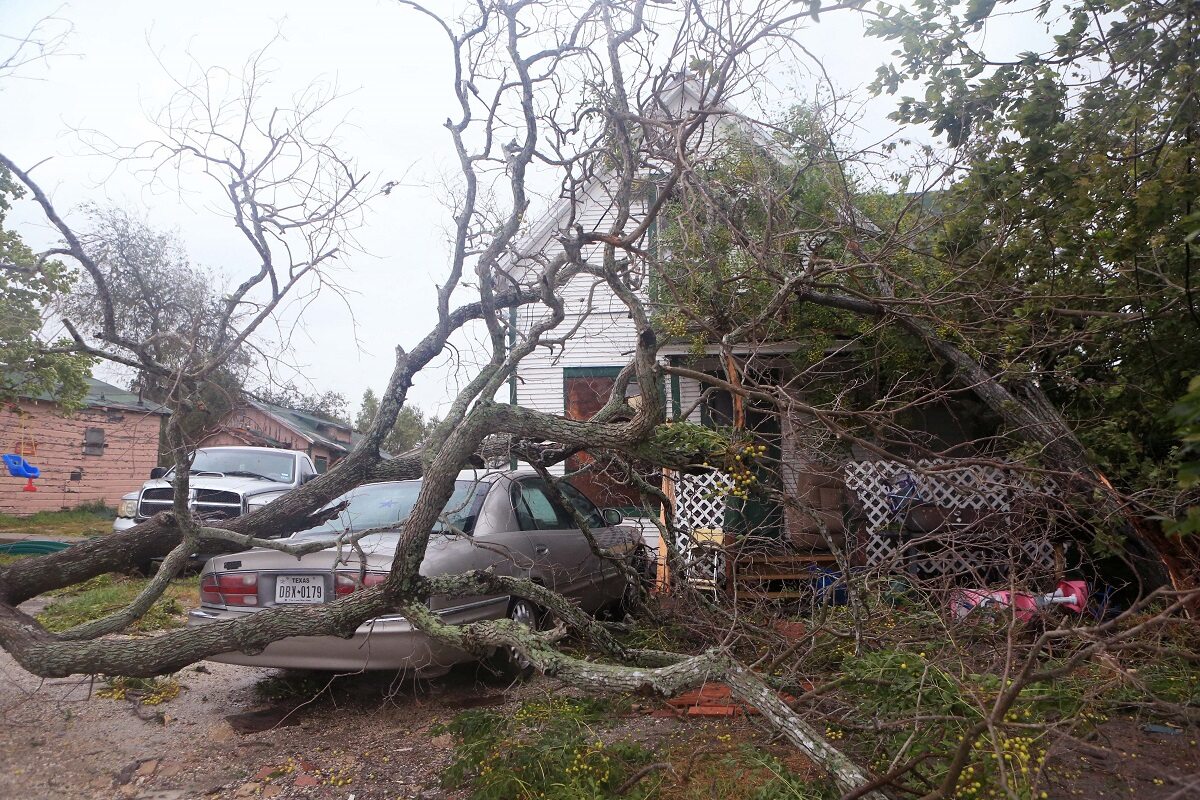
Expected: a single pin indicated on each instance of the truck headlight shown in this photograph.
(127, 508)
(258, 501)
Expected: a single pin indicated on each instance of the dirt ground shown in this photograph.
(60, 740)
(243, 732)
(240, 732)
(369, 736)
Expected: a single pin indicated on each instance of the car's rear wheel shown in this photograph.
(508, 662)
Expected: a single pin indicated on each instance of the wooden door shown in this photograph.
(585, 394)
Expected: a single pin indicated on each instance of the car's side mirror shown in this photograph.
(612, 516)
(306, 478)
(157, 473)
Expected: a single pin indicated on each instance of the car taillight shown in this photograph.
(230, 588)
(346, 582)
(209, 590)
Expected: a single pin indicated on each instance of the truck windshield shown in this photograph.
(269, 466)
(381, 505)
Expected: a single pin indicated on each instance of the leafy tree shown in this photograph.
(411, 428)
(1055, 279)
(1187, 415)
(1068, 217)
(165, 302)
(367, 411)
(28, 286)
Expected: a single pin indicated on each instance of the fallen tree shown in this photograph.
(514, 69)
(254, 167)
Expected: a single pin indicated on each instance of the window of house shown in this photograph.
(322, 464)
(93, 442)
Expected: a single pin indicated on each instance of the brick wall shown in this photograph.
(55, 444)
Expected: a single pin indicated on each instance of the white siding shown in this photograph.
(603, 333)
(689, 398)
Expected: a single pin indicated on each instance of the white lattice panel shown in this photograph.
(885, 487)
(700, 502)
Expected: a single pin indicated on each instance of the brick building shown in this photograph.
(266, 425)
(96, 453)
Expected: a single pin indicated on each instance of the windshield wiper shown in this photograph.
(241, 473)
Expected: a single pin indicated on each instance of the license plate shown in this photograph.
(299, 589)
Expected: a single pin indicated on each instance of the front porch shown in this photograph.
(944, 519)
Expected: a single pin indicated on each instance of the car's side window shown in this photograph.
(585, 507)
(535, 510)
(460, 512)
(524, 518)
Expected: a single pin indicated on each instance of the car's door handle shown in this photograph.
(542, 550)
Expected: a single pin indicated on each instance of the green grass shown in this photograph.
(105, 594)
(745, 772)
(92, 519)
(571, 748)
(549, 749)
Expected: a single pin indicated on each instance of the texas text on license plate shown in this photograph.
(299, 589)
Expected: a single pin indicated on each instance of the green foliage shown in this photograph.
(1066, 231)
(105, 594)
(899, 684)
(147, 691)
(548, 749)
(765, 217)
(27, 288)
(751, 773)
(918, 692)
(723, 448)
(218, 395)
(411, 428)
(170, 306)
(783, 785)
(1170, 679)
(712, 280)
(1186, 415)
(689, 440)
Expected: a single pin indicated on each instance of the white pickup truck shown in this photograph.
(225, 482)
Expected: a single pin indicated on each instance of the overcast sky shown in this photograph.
(394, 68)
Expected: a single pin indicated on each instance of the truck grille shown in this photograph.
(209, 503)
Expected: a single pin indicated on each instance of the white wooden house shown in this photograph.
(575, 378)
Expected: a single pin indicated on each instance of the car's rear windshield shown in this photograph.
(379, 505)
(245, 463)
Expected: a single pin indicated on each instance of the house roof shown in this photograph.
(679, 97)
(104, 395)
(309, 426)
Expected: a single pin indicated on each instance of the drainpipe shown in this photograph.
(512, 379)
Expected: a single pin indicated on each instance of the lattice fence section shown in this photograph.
(699, 518)
(888, 489)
